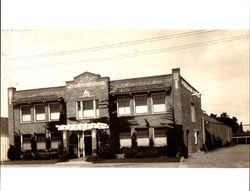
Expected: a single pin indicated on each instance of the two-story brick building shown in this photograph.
(148, 107)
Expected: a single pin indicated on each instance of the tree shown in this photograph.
(231, 122)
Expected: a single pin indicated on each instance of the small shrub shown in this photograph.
(54, 154)
(106, 152)
(144, 152)
(28, 156)
(92, 158)
(14, 153)
(63, 156)
(151, 142)
(134, 140)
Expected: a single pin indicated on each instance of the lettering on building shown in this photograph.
(189, 88)
(88, 84)
(176, 80)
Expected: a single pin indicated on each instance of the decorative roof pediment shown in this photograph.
(86, 80)
(86, 76)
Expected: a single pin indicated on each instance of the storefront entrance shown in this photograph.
(81, 139)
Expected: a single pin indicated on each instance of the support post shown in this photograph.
(94, 141)
(83, 144)
(21, 141)
(66, 140)
(78, 145)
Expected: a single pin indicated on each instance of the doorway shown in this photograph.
(88, 143)
(73, 144)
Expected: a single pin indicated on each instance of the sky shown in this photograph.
(218, 68)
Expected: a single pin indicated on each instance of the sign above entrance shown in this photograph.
(82, 126)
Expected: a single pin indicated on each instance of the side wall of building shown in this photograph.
(192, 127)
(4, 139)
(218, 130)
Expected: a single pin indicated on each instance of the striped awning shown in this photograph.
(82, 126)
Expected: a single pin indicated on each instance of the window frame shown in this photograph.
(35, 119)
(21, 114)
(96, 111)
(193, 112)
(139, 95)
(152, 102)
(130, 109)
(49, 111)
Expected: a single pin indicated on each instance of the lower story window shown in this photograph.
(26, 142)
(142, 137)
(41, 141)
(55, 140)
(160, 137)
(125, 139)
(195, 137)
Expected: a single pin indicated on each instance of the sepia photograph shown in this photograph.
(139, 100)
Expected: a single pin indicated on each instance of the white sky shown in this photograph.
(219, 71)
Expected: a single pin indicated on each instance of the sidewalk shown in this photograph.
(229, 157)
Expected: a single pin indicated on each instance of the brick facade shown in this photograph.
(171, 92)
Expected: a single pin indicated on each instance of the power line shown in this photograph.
(116, 45)
(175, 48)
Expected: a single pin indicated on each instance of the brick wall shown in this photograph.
(189, 127)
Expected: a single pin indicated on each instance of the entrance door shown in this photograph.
(73, 144)
(88, 143)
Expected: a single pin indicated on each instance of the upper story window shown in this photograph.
(141, 105)
(88, 108)
(124, 106)
(159, 104)
(25, 113)
(39, 112)
(54, 111)
(193, 118)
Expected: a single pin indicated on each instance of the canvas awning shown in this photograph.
(82, 126)
(36, 99)
(139, 89)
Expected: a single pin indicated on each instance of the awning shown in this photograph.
(82, 126)
(36, 99)
(138, 89)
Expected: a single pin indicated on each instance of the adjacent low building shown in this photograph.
(4, 138)
(148, 107)
(217, 134)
